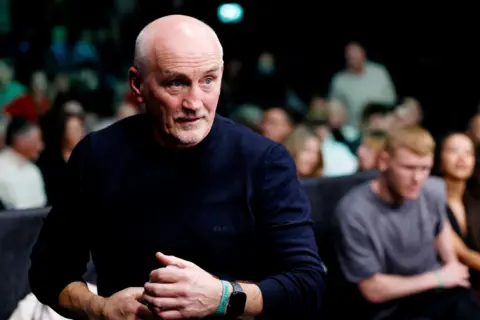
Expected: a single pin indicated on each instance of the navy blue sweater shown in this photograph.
(232, 204)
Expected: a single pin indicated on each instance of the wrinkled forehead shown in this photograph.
(186, 55)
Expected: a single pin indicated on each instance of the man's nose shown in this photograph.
(417, 175)
(193, 105)
(193, 100)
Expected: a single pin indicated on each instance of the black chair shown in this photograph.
(18, 233)
(324, 194)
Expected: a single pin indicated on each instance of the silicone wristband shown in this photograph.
(222, 307)
(439, 279)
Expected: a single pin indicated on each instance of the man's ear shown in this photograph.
(135, 82)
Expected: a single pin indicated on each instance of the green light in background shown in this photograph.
(230, 13)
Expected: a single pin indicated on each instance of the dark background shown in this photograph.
(431, 52)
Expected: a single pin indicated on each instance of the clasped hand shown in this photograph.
(186, 291)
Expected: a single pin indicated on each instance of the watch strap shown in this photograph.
(236, 287)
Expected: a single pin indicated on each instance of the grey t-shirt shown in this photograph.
(373, 236)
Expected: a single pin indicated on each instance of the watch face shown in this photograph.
(237, 303)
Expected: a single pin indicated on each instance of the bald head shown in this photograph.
(172, 35)
(177, 76)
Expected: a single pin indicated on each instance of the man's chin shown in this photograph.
(190, 137)
(411, 195)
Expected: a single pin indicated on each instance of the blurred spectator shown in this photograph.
(248, 115)
(123, 111)
(392, 231)
(338, 160)
(35, 103)
(67, 131)
(277, 124)
(473, 130)
(59, 55)
(60, 90)
(21, 183)
(84, 50)
(318, 105)
(3, 129)
(338, 121)
(455, 163)
(267, 86)
(377, 116)
(10, 89)
(305, 148)
(410, 111)
(361, 83)
(369, 150)
(93, 92)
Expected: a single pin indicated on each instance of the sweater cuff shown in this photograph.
(274, 294)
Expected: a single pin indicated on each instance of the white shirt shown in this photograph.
(338, 160)
(373, 85)
(31, 309)
(21, 182)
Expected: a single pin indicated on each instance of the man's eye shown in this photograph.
(175, 83)
(208, 80)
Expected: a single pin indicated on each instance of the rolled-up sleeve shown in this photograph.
(294, 290)
(61, 252)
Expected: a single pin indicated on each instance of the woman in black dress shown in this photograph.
(456, 164)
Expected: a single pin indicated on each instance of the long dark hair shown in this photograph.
(56, 130)
(437, 159)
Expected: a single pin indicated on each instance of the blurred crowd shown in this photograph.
(336, 134)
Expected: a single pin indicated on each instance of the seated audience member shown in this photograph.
(21, 182)
(391, 232)
(304, 146)
(318, 104)
(67, 131)
(456, 164)
(248, 115)
(377, 116)
(338, 160)
(369, 150)
(123, 111)
(277, 124)
(35, 103)
(339, 122)
(410, 111)
(10, 89)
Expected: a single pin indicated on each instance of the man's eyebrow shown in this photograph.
(172, 73)
(213, 69)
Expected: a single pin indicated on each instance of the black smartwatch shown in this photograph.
(237, 301)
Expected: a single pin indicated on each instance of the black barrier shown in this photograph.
(18, 232)
(324, 195)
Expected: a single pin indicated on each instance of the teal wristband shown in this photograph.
(439, 279)
(222, 307)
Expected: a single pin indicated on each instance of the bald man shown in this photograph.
(179, 186)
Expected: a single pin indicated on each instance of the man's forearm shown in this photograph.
(76, 299)
(382, 288)
(254, 304)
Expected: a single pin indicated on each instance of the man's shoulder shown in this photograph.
(121, 128)
(376, 67)
(118, 134)
(243, 140)
(434, 189)
(355, 204)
